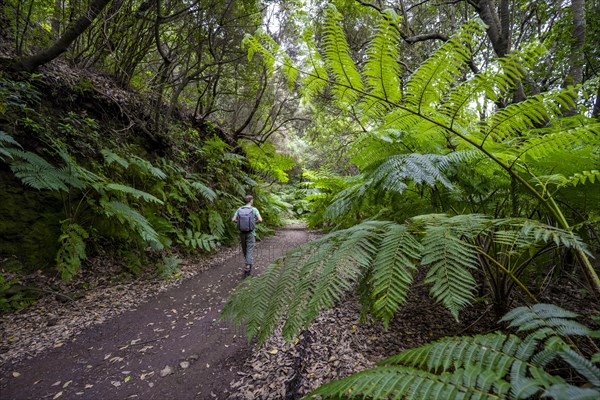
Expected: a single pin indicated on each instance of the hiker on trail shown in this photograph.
(246, 218)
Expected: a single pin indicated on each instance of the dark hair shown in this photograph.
(248, 198)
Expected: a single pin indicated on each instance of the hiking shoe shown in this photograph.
(247, 271)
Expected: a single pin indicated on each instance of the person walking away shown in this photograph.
(246, 218)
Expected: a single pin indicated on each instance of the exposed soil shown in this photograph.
(169, 346)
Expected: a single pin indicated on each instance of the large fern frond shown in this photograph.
(349, 83)
(546, 145)
(423, 169)
(38, 173)
(382, 71)
(5, 138)
(434, 77)
(316, 80)
(547, 319)
(204, 190)
(396, 382)
(125, 189)
(535, 231)
(136, 221)
(393, 269)
(450, 260)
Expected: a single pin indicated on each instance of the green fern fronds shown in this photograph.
(111, 157)
(536, 231)
(120, 188)
(545, 318)
(5, 138)
(72, 249)
(548, 144)
(204, 190)
(198, 240)
(216, 224)
(397, 382)
(492, 366)
(449, 260)
(382, 71)
(435, 76)
(38, 173)
(570, 392)
(126, 215)
(338, 59)
(393, 269)
(423, 169)
(147, 167)
(316, 80)
(584, 177)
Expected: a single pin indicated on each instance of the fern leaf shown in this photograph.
(338, 59)
(556, 320)
(204, 190)
(584, 177)
(216, 224)
(317, 79)
(583, 366)
(566, 391)
(136, 221)
(435, 76)
(111, 157)
(449, 260)
(407, 383)
(136, 193)
(147, 167)
(393, 270)
(382, 71)
(6, 138)
(72, 250)
(38, 173)
(539, 146)
(423, 169)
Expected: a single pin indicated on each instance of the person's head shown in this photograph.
(248, 199)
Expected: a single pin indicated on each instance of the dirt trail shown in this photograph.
(123, 358)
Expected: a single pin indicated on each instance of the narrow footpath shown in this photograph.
(173, 346)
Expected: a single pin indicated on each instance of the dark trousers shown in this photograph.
(248, 241)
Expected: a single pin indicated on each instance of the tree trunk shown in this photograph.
(575, 74)
(29, 64)
(576, 61)
(498, 31)
(596, 110)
